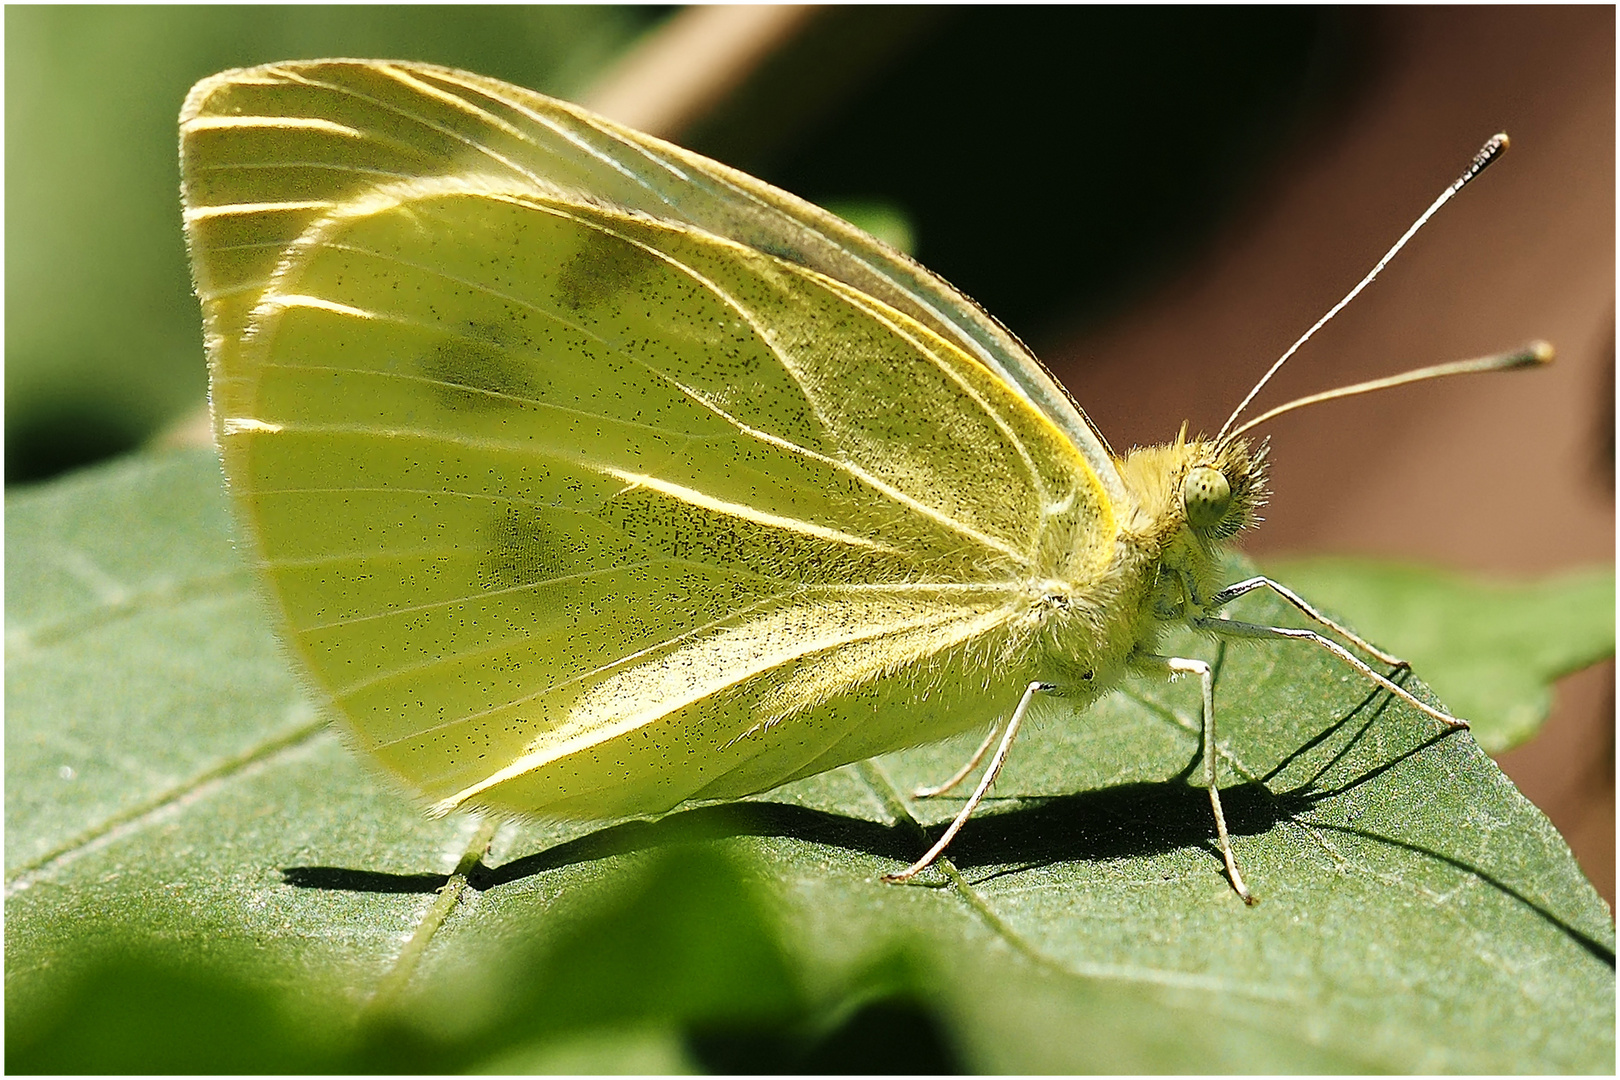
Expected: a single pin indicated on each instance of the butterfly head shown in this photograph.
(1203, 490)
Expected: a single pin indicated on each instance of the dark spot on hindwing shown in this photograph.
(481, 370)
(604, 266)
(522, 549)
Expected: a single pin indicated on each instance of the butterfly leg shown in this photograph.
(1232, 592)
(979, 792)
(962, 773)
(1233, 628)
(1179, 665)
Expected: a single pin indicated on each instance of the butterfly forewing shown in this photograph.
(573, 509)
(340, 126)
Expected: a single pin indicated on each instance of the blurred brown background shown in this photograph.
(1510, 474)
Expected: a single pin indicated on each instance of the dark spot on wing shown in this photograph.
(480, 370)
(779, 250)
(603, 267)
(522, 549)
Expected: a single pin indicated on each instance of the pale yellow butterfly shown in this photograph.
(589, 476)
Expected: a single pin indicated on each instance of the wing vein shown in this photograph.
(842, 465)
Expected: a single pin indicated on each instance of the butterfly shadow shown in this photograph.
(1116, 822)
(1010, 836)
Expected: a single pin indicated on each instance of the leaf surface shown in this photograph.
(166, 786)
(1491, 649)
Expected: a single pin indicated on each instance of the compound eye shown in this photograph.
(1207, 496)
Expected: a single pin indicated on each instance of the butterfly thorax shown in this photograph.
(1186, 499)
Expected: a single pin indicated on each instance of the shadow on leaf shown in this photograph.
(1121, 822)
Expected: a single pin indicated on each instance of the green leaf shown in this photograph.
(201, 878)
(1491, 649)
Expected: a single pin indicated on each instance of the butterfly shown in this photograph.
(587, 476)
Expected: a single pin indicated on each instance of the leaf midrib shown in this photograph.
(132, 818)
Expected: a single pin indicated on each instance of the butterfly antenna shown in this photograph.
(1488, 153)
(1532, 355)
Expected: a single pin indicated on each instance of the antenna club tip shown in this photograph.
(1488, 153)
(1540, 352)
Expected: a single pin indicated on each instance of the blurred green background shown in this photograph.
(1051, 159)
(103, 337)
